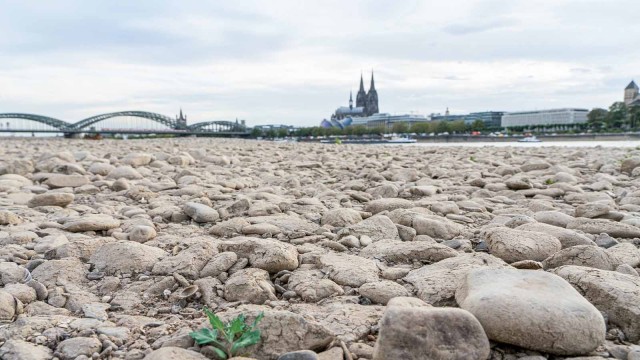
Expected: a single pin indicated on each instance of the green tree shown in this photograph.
(634, 117)
(457, 126)
(271, 133)
(282, 132)
(420, 127)
(477, 125)
(597, 118)
(400, 128)
(617, 116)
(256, 132)
(443, 126)
(359, 130)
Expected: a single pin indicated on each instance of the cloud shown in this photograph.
(295, 62)
(465, 29)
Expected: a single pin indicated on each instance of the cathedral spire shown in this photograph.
(351, 99)
(373, 85)
(361, 83)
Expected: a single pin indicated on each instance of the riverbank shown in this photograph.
(112, 249)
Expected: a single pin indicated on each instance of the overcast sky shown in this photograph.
(294, 62)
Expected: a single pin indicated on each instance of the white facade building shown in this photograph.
(387, 120)
(566, 116)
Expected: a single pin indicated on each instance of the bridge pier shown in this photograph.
(73, 135)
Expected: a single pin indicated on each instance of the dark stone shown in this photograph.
(454, 244)
(482, 246)
(606, 241)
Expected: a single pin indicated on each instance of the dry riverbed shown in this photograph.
(111, 249)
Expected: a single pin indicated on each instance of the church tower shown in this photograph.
(630, 92)
(350, 99)
(181, 121)
(372, 99)
(361, 97)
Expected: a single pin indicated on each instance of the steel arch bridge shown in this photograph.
(206, 127)
(58, 124)
(219, 125)
(164, 120)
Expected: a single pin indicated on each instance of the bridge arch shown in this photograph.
(56, 123)
(159, 118)
(224, 125)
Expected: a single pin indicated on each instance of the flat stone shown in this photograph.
(615, 294)
(517, 245)
(532, 309)
(51, 199)
(349, 269)
(77, 346)
(413, 332)
(91, 223)
(598, 226)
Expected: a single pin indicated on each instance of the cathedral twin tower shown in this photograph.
(369, 100)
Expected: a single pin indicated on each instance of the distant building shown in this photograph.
(568, 116)
(387, 120)
(181, 121)
(631, 97)
(366, 103)
(491, 119)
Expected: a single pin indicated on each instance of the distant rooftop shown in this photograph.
(632, 85)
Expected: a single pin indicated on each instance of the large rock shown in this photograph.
(10, 307)
(532, 309)
(51, 199)
(567, 237)
(267, 254)
(555, 218)
(629, 164)
(599, 226)
(126, 172)
(91, 223)
(137, 159)
(249, 285)
(341, 217)
(125, 257)
(377, 227)
(200, 213)
(614, 293)
(414, 331)
(408, 251)
(312, 286)
(516, 245)
(187, 262)
(382, 291)
(219, 264)
(349, 269)
(9, 218)
(77, 346)
(15, 349)
(54, 272)
(61, 180)
(625, 253)
(388, 204)
(174, 353)
(582, 255)
(437, 283)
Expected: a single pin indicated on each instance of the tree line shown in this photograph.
(618, 117)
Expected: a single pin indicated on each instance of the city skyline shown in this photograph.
(285, 62)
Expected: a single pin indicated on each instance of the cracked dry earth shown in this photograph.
(110, 249)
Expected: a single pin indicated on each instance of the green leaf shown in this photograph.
(214, 320)
(220, 353)
(204, 336)
(236, 326)
(247, 339)
(257, 319)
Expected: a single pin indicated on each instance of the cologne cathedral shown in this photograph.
(366, 103)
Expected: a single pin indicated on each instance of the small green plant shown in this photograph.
(230, 338)
(472, 158)
(549, 181)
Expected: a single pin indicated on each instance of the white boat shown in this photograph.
(530, 139)
(401, 140)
